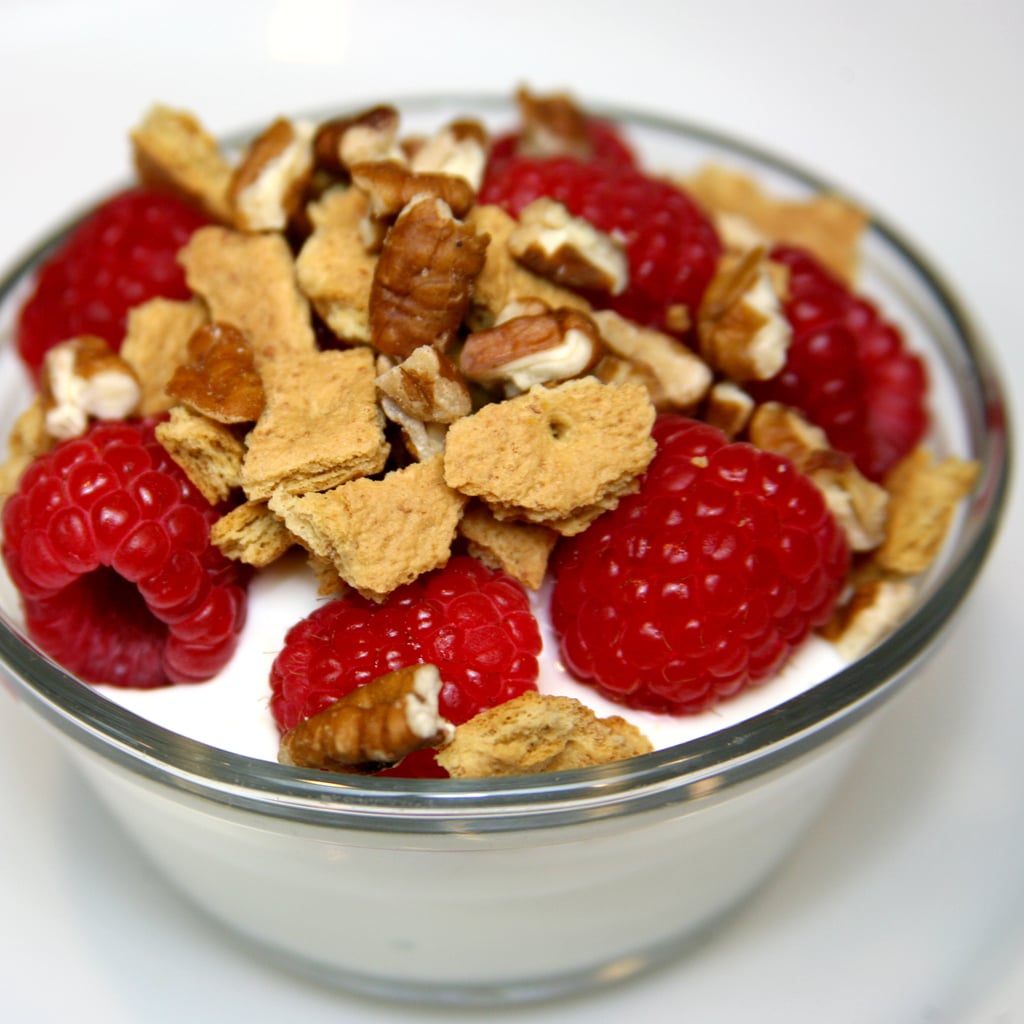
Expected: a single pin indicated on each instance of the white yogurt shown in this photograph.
(231, 711)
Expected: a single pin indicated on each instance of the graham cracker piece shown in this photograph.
(173, 152)
(923, 497)
(321, 425)
(378, 534)
(209, 453)
(538, 733)
(156, 344)
(28, 440)
(248, 281)
(828, 225)
(549, 454)
(334, 268)
(251, 533)
(504, 281)
(520, 549)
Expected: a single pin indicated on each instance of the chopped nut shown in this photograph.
(173, 152)
(423, 279)
(553, 452)
(343, 142)
(334, 270)
(742, 329)
(375, 725)
(156, 344)
(924, 496)
(875, 609)
(460, 150)
(209, 453)
(422, 440)
(427, 386)
(251, 533)
(84, 379)
(552, 126)
(391, 186)
(568, 250)
(677, 377)
(728, 407)
(529, 350)
(502, 281)
(220, 380)
(859, 506)
(538, 733)
(269, 181)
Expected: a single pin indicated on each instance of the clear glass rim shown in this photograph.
(688, 771)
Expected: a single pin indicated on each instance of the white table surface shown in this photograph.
(906, 904)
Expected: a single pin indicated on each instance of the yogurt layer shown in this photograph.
(231, 711)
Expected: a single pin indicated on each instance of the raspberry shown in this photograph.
(108, 543)
(671, 246)
(848, 370)
(473, 623)
(606, 145)
(122, 254)
(702, 582)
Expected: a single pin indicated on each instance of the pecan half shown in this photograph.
(423, 279)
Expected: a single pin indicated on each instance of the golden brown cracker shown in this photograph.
(378, 534)
(321, 425)
(209, 452)
(334, 268)
(174, 152)
(156, 344)
(249, 281)
(538, 733)
(830, 226)
(251, 533)
(923, 497)
(548, 454)
(520, 549)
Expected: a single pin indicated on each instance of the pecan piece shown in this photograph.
(390, 187)
(84, 379)
(568, 250)
(342, 142)
(269, 182)
(532, 349)
(220, 379)
(423, 279)
(742, 329)
(373, 726)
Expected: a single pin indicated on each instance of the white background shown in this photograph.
(906, 904)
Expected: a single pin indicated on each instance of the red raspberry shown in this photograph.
(671, 246)
(607, 146)
(704, 581)
(848, 370)
(122, 254)
(474, 624)
(108, 543)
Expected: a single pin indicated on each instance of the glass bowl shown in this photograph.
(474, 891)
